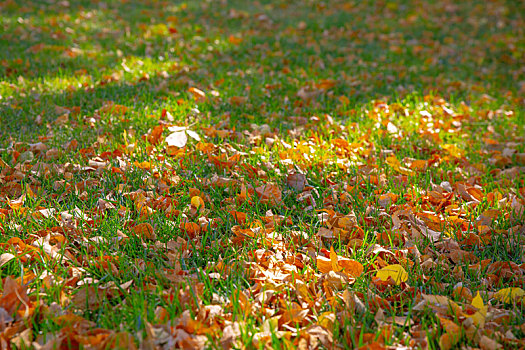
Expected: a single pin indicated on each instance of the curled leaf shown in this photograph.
(5, 258)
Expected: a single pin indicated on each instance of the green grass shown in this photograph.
(336, 90)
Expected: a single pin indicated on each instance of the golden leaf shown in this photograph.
(396, 271)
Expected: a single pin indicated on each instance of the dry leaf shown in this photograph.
(177, 139)
(145, 231)
(396, 272)
(297, 181)
(5, 258)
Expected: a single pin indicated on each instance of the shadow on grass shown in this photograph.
(371, 49)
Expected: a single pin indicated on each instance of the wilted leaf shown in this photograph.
(269, 193)
(351, 267)
(156, 134)
(396, 165)
(333, 259)
(324, 264)
(191, 228)
(453, 150)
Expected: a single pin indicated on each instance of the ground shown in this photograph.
(267, 174)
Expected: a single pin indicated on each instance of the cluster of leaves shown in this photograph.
(282, 175)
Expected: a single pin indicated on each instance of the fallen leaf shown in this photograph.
(506, 295)
(5, 258)
(395, 271)
(333, 260)
(197, 202)
(297, 181)
(198, 94)
(145, 231)
(485, 343)
(177, 139)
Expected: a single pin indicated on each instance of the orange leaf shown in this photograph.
(333, 259)
(234, 40)
(191, 228)
(198, 94)
(239, 216)
(351, 267)
(324, 264)
(143, 165)
(238, 100)
(155, 134)
(145, 231)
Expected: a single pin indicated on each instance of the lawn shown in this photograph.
(262, 174)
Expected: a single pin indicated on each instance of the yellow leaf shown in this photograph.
(479, 319)
(396, 271)
(396, 165)
(327, 320)
(477, 302)
(481, 314)
(453, 150)
(197, 202)
(508, 295)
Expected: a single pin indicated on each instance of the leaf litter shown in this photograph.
(396, 223)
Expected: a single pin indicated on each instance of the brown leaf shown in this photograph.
(14, 299)
(459, 256)
(322, 334)
(269, 194)
(89, 297)
(297, 181)
(485, 343)
(230, 334)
